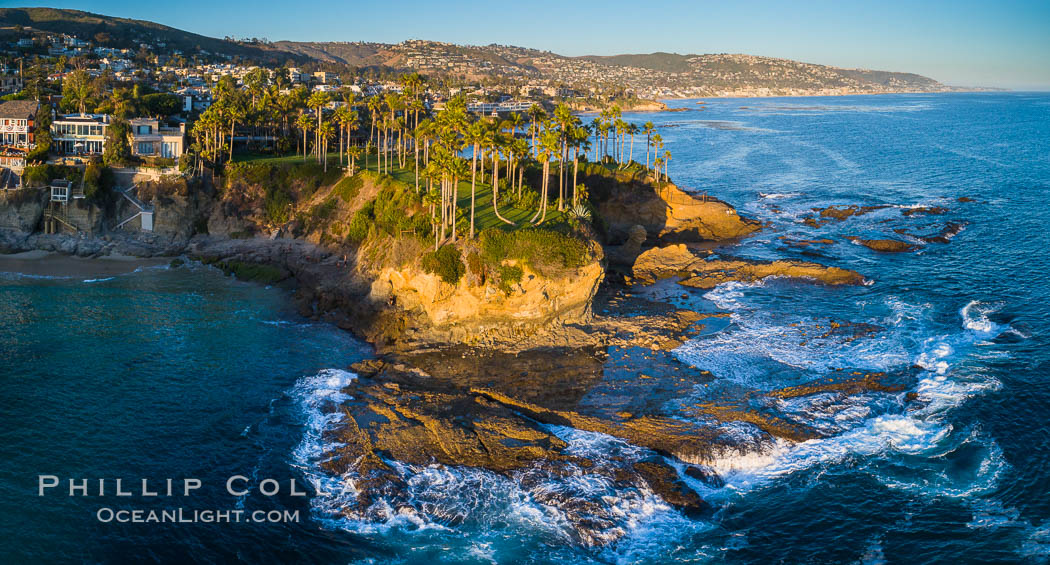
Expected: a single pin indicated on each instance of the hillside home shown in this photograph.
(79, 134)
(16, 123)
(150, 138)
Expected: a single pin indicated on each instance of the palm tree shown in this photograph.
(632, 129)
(648, 129)
(596, 128)
(317, 101)
(342, 117)
(497, 141)
(580, 139)
(537, 115)
(521, 147)
(550, 141)
(658, 144)
(325, 132)
(304, 123)
(473, 136)
(563, 117)
(354, 153)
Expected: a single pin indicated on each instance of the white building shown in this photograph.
(149, 138)
(79, 134)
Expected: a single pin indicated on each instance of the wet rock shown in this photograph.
(804, 243)
(664, 481)
(673, 260)
(399, 421)
(870, 382)
(928, 210)
(842, 212)
(964, 199)
(705, 476)
(884, 245)
(950, 230)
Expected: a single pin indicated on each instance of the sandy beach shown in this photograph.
(49, 264)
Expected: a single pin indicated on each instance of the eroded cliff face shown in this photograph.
(671, 215)
(21, 210)
(483, 313)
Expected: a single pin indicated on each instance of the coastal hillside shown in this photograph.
(651, 75)
(648, 76)
(129, 33)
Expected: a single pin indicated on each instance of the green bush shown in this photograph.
(348, 188)
(257, 272)
(446, 262)
(278, 205)
(357, 231)
(41, 175)
(475, 264)
(98, 181)
(509, 275)
(545, 251)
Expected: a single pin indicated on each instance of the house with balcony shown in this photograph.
(151, 138)
(79, 134)
(16, 123)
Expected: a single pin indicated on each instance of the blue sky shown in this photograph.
(1004, 43)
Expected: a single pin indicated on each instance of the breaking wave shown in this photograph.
(761, 352)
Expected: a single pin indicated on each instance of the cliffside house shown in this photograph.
(16, 123)
(10, 81)
(150, 138)
(79, 134)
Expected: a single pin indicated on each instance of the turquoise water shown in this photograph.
(186, 373)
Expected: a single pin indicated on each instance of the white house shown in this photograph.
(150, 138)
(79, 134)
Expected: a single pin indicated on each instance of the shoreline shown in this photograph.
(42, 263)
(839, 95)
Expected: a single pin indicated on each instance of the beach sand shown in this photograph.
(48, 264)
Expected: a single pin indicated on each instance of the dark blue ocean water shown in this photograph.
(186, 373)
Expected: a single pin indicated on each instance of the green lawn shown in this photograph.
(484, 216)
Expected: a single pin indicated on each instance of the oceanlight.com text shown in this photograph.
(184, 516)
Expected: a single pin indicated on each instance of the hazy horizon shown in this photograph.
(962, 43)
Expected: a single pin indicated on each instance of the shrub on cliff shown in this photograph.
(446, 263)
(546, 252)
(98, 181)
(41, 175)
(301, 179)
(509, 275)
(395, 211)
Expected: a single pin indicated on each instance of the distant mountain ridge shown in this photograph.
(86, 25)
(654, 75)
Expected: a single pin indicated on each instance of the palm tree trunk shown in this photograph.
(495, 186)
(473, 185)
(575, 170)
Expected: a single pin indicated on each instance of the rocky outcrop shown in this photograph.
(501, 421)
(474, 313)
(884, 245)
(926, 210)
(21, 210)
(699, 272)
(669, 214)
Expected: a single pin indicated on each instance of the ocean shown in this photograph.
(184, 373)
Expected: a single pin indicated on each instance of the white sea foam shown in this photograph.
(760, 351)
(99, 280)
(537, 500)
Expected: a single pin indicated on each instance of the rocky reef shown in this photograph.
(699, 272)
